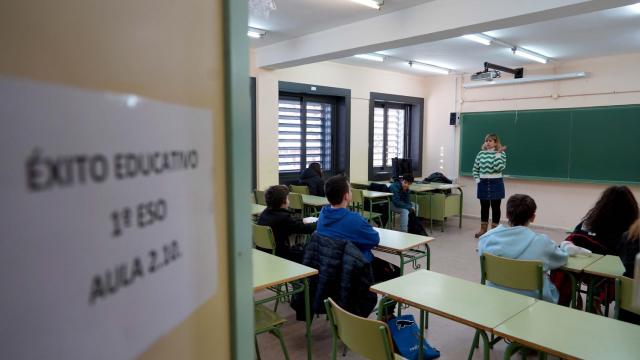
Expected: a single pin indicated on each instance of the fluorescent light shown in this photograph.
(635, 7)
(530, 55)
(256, 33)
(370, 3)
(528, 79)
(479, 38)
(427, 67)
(372, 57)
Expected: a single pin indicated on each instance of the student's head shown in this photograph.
(316, 168)
(406, 181)
(337, 190)
(277, 196)
(521, 210)
(491, 142)
(614, 212)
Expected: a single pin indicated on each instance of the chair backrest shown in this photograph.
(295, 201)
(369, 338)
(624, 296)
(356, 197)
(516, 274)
(259, 194)
(300, 189)
(263, 237)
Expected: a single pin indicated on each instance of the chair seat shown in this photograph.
(370, 215)
(266, 319)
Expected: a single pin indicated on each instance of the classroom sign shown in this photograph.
(107, 221)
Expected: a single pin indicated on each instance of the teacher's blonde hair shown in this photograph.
(495, 139)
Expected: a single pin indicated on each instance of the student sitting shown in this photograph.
(517, 241)
(628, 248)
(312, 177)
(400, 201)
(601, 229)
(337, 222)
(281, 220)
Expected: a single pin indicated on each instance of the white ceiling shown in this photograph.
(606, 32)
(294, 18)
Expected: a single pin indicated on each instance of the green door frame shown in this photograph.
(238, 159)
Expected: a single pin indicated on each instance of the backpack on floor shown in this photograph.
(406, 336)
(414, 226)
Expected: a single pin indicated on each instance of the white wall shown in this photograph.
(360, 80)
(612, 80)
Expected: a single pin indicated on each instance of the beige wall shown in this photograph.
(166, 50)
(612, 80)
(360, 80)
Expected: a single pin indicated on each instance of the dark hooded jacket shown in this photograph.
(283, 224)
(343, 274)
(314, 181)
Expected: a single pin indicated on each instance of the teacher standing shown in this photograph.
(487, 171)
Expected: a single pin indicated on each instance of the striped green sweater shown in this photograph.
(489, 162)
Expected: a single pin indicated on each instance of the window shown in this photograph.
(395, 130)
(388, 133)
(304, 133)
(313, 126)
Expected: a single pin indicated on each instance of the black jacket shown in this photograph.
(283, 224)
(343, 274)
(627, 250)
(314, 181)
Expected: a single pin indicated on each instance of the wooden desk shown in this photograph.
(575, 265)
(570, 333)
(377, 197)
(435, 204)
(479, 306)
(312, 202)
(270, 270)
(257, 209)
(607, 267)
(405, 245)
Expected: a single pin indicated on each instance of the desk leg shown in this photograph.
(389, 213)
(421, 342)
(511, 349)
(460, 210)
(430, 212)
(574, 290)
(590, 290)
(307, 313)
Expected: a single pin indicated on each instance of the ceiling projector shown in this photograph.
(485, 75)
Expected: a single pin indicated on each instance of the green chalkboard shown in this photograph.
(594, 144)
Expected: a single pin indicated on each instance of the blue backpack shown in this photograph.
(406, 335)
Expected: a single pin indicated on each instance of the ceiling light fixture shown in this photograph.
(479, 38)
(372, 57)
(374, 4)
(529, 55)
(635, 7)
(427, 67)
(256, 33)
(527, 79)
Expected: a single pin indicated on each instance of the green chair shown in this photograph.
(263, 238)
(512, 273)
(259, 194)
(300, 189)
(268, 321)
(624, 296)
(295, 203)
(357, 200)
(369, 338)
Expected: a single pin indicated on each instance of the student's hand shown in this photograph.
(412, 210)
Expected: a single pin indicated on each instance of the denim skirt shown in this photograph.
(490, 189)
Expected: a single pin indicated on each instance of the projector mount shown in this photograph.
(492, 71)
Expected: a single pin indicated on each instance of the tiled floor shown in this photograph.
(453, 253)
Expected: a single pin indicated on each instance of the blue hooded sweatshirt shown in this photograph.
(520, 242)
(340, 223)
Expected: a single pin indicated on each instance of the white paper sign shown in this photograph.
(107, 236)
